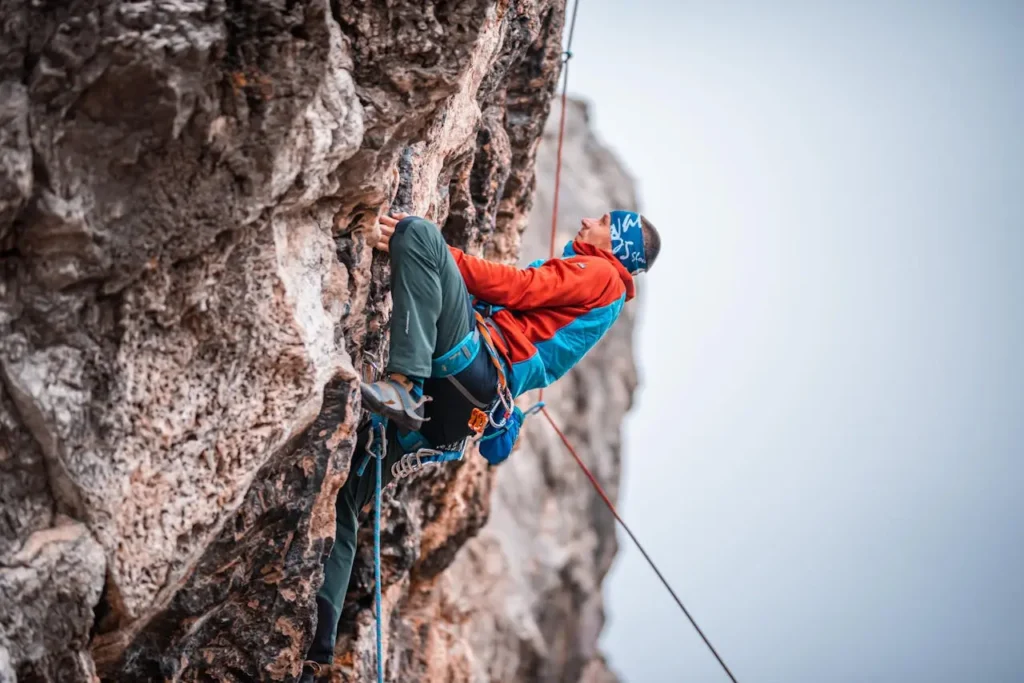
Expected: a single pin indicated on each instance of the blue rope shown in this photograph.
(379, 444)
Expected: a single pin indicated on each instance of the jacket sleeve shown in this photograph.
(558, 282)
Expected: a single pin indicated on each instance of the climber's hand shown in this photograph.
(387, 229)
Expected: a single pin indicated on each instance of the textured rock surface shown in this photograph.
(187, 194)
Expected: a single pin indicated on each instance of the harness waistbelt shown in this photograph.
(459, 358)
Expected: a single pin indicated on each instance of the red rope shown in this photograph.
(586, 470)
(561, 140)
(607, 501)
(579, 461)
(558, 160)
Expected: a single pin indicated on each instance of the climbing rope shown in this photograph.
(566, 56)
(640, 547)
(378, 448)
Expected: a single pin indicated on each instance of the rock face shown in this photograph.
(188, 191)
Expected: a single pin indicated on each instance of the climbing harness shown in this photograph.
(461, 364)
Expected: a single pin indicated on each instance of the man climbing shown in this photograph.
(468, 336)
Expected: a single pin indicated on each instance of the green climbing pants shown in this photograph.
(356, 493)
(429, 297)
(430, 316)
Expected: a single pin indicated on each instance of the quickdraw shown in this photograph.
(411, 463)
(376, 444)
(424, 458)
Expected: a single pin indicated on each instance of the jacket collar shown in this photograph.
(584, 249)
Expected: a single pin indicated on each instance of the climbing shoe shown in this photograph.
(311, 671)
(388, 398)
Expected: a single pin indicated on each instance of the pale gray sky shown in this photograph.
(826, 458)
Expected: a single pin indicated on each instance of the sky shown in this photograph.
(825, 457)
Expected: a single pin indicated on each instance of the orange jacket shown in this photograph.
(551, 313)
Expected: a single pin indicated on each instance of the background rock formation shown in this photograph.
(187, 195)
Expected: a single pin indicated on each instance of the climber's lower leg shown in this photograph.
(353, 496)
(428, 319)
(337, 571)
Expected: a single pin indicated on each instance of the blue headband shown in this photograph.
(628, 241)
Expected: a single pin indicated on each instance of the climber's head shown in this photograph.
(630, 236)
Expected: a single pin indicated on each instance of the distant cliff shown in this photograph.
(187, 195)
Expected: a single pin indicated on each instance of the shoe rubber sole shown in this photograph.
(396, 415)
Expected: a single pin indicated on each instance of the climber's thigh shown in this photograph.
(421, 237)
(454, 322)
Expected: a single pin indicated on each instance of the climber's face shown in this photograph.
(597, 232)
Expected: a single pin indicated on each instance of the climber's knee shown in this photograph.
(418, 235)
(403, 225)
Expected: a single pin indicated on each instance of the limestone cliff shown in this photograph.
(188, 189)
